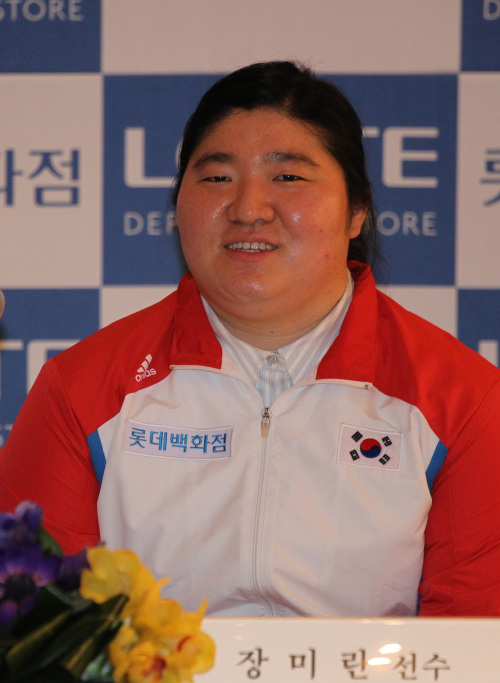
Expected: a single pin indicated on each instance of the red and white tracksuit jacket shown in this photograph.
(376, 479)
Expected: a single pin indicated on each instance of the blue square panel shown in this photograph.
(43, 36)
(36, 325)
(143, 124)
(479, 320)
(410, 141)
(480, 35)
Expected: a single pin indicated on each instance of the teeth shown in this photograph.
(250, 246)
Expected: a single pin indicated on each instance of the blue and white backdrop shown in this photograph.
(93, 98)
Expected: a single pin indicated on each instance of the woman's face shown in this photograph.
(264, 219)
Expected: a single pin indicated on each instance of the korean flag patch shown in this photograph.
(370, 448)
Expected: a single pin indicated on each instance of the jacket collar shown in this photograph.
(194, 341)
(351, 357)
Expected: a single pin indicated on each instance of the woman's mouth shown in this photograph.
(250, 246)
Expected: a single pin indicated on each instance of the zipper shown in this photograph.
(260, 514)
(265, 423)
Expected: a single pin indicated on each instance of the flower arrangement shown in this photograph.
(95, 616)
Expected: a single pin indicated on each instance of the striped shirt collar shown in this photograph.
(295, 360)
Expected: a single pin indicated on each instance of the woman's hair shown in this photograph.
(297, 92)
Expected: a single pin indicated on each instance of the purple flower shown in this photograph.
(23, 570)
(70, 570)
(22, 526)
(8, 525)
(30, 517)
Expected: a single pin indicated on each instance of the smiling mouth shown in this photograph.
(250, 246)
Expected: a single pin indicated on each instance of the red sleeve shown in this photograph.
(46, 460)
(461, 574)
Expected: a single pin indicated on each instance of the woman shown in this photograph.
(276, 435)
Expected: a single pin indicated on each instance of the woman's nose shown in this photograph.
(251, 203)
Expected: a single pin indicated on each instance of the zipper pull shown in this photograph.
(265, 423)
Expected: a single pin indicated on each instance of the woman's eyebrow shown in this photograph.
(218, 157)
(272, 157)
(291, 156)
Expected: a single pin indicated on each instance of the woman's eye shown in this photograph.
(289, 177)
(216, 179)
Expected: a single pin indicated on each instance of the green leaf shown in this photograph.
(51, 603)
(48, 543)
(3, 670)
(46, 624)
(109, 613)
(99, 669)
(6, 641)
(66, 644)
(22, 657)
(47, 676)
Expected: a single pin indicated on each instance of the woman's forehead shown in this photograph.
(264, 124)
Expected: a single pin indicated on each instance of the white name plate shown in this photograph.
(301, 650)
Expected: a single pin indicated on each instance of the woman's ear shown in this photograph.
(357, 219)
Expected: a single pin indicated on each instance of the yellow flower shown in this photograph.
(175, 633)
(118, 651)
(158, 642)
(194, 655)
(164, 617)
(137, 660)
(143, 663)
(113, 572)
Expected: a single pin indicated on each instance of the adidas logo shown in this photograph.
(144, 370)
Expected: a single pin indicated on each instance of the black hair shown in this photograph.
(297, 92)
